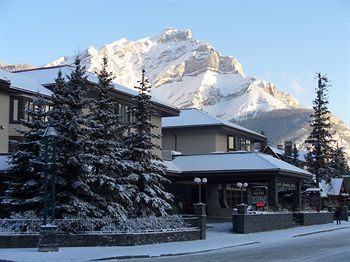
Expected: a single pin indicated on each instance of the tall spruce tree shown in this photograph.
(24, 191)
(319, 141)
(68, 102)
(151, 197)
(339, 163)
(105, 149)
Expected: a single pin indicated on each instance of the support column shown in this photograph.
(224, 196)
(297, 198)
(272, 192)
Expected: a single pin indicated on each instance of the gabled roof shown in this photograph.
(47, 75)
(332, 188)
(23, 83)
(233, 162)
(192, 117)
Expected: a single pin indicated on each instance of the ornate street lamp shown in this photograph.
(241, 186)
(199, 181)
(50, 136)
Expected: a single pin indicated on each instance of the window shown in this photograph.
(14, 110)
(248, 146)
(242, 144)
(125, 114)
(230, 143)
(27, 105)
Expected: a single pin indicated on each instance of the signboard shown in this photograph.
(315, 199)
(286, 185)
(259, 195)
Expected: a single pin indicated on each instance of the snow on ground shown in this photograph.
(219, 236)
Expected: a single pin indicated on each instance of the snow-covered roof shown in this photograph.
(332, 188)
(277, 150)
(231, 162)
(4, 165)
(190, 117)
(24, 83)
(47, 75)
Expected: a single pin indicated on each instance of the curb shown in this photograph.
(321, 231)
(172, 255)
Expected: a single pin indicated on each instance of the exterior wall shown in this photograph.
(4, 121)
(198, 140)
(157, 120)
(80, 240)
(314, 218)
(221, 142)
(190, 141)
(247, 223)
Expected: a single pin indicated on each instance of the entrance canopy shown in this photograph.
(238, 162)
(225, 170)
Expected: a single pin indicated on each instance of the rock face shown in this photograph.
(186, 72)
(15, 67)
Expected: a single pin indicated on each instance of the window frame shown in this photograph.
(228, 143)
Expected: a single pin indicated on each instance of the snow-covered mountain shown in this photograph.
(186, 72)
(15, 67)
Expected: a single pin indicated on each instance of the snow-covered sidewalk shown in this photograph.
(218, 236)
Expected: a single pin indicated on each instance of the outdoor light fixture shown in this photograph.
(241, 186)
(50, 136)
(199, 181)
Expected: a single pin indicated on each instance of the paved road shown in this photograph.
(327, 246)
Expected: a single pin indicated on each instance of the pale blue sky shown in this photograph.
(284, 42)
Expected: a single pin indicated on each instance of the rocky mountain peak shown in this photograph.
(173, 34)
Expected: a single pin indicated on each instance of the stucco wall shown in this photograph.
(190, 141)
(4, 121)
(157, 120)
(221, 142)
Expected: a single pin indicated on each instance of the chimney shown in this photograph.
(288, 148)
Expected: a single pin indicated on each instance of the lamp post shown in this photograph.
(50, 135)
(199, 181)
(241, 186)
(48, 233)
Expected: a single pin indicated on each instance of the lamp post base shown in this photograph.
(48, 239)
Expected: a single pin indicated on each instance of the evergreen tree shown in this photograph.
(320, 139)
(339, 163)
(151, 197)
(105, 149)
(24, 192)
(295, 154)
(68, 102)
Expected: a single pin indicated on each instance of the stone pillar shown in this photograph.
(199, 210)
(48, 240)
(242, 209)
(272, 191)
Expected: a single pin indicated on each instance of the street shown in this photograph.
(327, 246)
